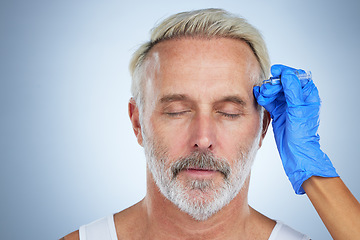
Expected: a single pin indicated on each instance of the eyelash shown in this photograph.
(229, 115)
(176, 114)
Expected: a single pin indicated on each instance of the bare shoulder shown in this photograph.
(72, 236)
(131, 214)
(261, 226)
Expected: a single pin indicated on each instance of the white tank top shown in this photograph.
(104, 229)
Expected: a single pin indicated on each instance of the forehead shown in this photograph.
(217, 65)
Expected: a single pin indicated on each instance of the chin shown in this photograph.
(200, 199)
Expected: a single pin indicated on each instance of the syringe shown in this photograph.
(301, 76)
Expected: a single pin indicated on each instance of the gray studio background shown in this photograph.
(67, 152)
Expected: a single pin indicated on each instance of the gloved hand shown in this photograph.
(294, 107)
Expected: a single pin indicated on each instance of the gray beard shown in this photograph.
(199, 198)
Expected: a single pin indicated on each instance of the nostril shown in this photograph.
(197, 146)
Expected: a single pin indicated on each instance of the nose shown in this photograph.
(203, 132)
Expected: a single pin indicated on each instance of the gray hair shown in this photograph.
(204, 23)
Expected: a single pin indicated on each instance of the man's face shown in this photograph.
(201, 127)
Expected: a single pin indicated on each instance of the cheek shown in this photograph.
(237, 137)
(171, 135)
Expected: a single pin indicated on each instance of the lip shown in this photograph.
(200, 173)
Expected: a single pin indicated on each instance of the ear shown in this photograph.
(265, 126)
(135, 120)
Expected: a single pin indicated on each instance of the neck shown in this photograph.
(164, 219)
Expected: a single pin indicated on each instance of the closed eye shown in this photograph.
(229, 115)
(177, 114)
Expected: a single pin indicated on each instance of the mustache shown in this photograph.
(201, 160)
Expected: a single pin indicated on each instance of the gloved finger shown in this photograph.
(302, 81)
(269, 103)
(269, 90)
(311, 93)
(265, 95)
(279, 109)
(277, 69)
(292, 88)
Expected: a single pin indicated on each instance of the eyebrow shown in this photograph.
(173, 98)
(234, 99)
(182, 97)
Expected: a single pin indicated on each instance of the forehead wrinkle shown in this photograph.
(166, 70)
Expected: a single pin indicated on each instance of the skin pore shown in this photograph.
(197, 98)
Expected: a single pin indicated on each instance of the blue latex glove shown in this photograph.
(294, 107)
